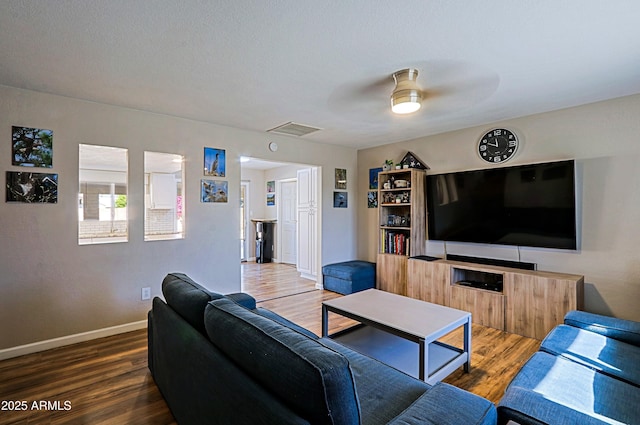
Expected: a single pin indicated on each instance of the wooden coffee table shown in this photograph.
(391, 325)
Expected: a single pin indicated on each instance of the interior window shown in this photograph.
(102, 194)
(164, 196)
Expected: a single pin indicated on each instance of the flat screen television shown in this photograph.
(529, 205)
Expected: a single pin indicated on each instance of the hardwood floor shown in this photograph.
(273, 280)
(106, 381)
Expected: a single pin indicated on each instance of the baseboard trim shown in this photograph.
(21, 350)
(308, 276)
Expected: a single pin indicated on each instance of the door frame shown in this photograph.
(246, 218)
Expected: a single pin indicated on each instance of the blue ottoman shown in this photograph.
(349, 277)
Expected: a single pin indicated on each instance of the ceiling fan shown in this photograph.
(446, 87)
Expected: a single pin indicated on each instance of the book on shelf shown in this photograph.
(394, 242)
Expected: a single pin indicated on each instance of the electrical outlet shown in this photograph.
(146, 293)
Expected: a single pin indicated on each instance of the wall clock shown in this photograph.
(498, 145)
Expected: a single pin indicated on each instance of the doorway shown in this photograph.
(261, 203)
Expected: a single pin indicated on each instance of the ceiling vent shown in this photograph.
(294, 129)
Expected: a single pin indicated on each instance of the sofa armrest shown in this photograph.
(437, 406)
(243, 299)
(623, 330)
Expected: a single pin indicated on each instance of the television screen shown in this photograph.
(529, 205)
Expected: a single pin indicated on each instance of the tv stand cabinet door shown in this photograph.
(536, 304)
(487, 308)
(428, 281)
(391, 273)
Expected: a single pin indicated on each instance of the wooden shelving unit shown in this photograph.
(402, 225)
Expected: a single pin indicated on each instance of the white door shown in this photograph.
(288, 222)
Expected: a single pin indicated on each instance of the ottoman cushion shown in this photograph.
(349, 276)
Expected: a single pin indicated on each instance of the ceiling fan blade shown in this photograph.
(359, 97)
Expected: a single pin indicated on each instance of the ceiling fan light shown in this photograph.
(406, 98)
(405, 101)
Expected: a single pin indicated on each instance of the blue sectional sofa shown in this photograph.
(586, 372)
(221, 360)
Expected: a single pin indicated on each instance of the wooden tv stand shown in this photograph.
(529, 303)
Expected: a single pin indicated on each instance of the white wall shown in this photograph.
(257, 192)
(603, 138)
(50, 287)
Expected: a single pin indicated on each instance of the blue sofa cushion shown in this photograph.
(409, 401)
(375, 381)
(607, 355)
(558, 391)
(434, 408)
(351, 270)
(315, 381)
(187, 298)
(620, 329)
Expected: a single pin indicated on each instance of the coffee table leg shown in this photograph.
(325, 319)
(423, 362)
(467, 344)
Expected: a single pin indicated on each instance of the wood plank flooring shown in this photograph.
(106, 381)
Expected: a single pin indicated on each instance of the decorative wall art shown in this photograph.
(411, 160)
(373, 177)
(32, 147)
(271, 199)
(271, 186)
(340, 199)
(32, 187)
(372, 199)
(214, 162)
(214, 191)
(341, 178)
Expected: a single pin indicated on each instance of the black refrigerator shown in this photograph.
(264, 241)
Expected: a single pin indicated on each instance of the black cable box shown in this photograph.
(495, 286)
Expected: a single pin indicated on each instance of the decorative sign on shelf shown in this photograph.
(411, 160)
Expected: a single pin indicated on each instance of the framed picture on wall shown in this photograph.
(271, 186)
(35, 188)
(214, 162)
(341, 178)
(31, 147)
(372, 199)
(340, 199)
(271, 199)
(373, 177)
(214, 191)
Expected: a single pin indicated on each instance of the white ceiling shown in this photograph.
(256, 64)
